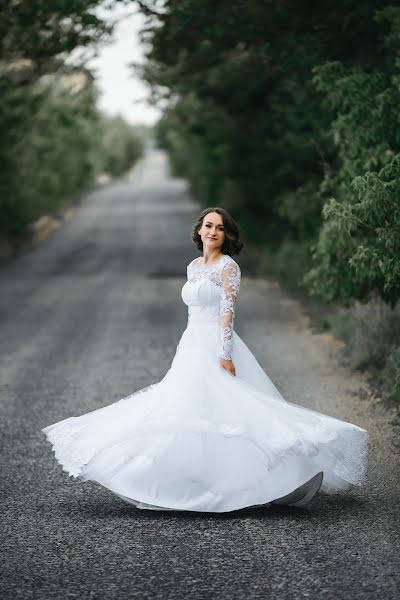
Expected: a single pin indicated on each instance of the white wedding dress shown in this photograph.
(202, 439)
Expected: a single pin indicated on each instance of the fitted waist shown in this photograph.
(201, 319)
(208, 313)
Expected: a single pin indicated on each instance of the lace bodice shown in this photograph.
(211, 293)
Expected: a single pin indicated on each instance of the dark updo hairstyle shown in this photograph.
(232, 243)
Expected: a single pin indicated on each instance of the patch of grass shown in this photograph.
(371, 332)
(390, 376)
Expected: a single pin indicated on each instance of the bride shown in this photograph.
(215, 434)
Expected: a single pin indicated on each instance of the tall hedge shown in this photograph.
(53, 139)
(285, 113)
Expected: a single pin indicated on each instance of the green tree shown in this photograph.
(358, 248)
(246, 125)
(53, 140)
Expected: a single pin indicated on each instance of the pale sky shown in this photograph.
(122, 92)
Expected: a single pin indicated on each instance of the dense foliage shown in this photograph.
(120, 146)
(358, 249)
(286, 114)
(53, 139)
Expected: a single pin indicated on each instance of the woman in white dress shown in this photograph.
(214, 434)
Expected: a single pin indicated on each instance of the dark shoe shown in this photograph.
(303, 494)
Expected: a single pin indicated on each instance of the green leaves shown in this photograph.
(367, 224)
(287, 114)
(53, 140)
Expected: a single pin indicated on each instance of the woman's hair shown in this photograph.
(232, 243)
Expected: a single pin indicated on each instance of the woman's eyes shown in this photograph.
(220, 228)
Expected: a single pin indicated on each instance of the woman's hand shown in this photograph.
(228, 366)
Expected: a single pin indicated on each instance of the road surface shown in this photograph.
(94, 313)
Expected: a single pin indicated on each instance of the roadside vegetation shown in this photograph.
(54, 142)
(287, 114)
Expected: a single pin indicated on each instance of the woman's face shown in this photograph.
(212, 231)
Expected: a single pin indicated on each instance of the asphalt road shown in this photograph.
(94, 313)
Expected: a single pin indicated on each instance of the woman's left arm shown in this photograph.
(230, 290)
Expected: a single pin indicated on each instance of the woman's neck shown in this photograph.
(212, 256)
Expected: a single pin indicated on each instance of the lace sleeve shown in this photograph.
(230, 277)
